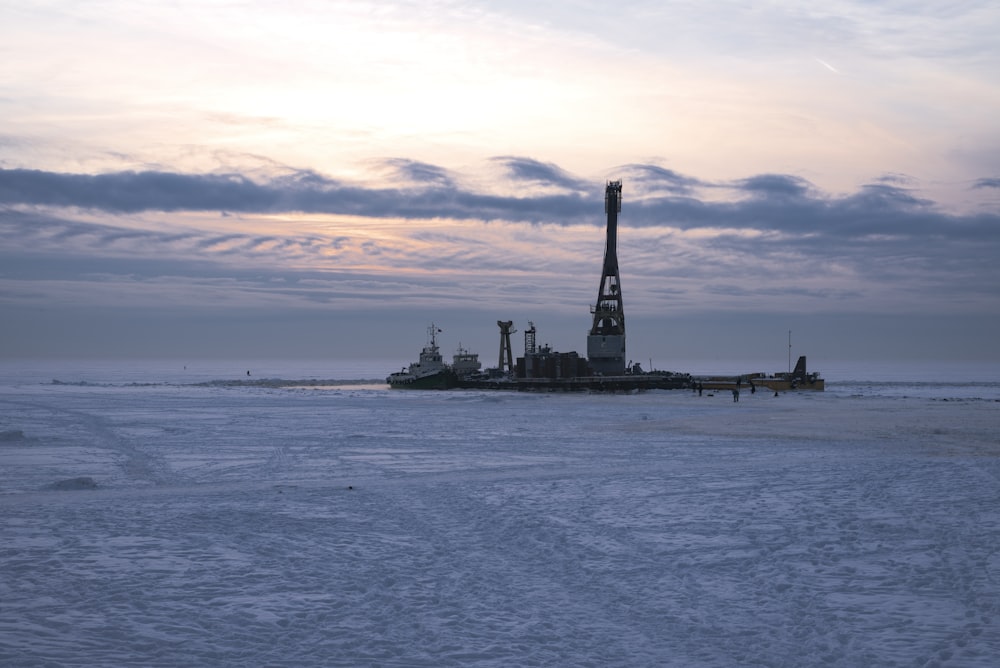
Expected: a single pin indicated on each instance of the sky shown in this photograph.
(323, 179)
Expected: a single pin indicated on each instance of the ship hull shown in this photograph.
(624, 383)
(777, 383)
(438, 381)
(782, 385)
(772, 384)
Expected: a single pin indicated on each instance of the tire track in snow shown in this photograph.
(96, 432)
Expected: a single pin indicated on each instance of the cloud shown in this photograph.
(776, 202)
(650, 179)
(303, 191)
(27, 233)
(129, 192)
(418, 172)
(684, 242)
(541, 173)
(987, 183)
(775, 185)
(744, 292)
(764, 203)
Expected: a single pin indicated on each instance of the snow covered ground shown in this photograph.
(185, 522)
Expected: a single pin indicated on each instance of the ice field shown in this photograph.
(193, 518)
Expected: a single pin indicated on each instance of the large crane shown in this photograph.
(606, 341)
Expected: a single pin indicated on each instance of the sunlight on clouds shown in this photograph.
(417, 84)
(321, 261)
(700, 233)
(328, 85)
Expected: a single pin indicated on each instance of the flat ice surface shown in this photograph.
(177, 521)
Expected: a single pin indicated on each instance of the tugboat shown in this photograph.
(430, 373)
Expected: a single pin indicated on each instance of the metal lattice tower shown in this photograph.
(529, 339)
(606, 342)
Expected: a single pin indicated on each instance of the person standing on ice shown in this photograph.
(736, 394)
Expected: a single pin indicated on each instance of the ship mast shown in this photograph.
(606, 341)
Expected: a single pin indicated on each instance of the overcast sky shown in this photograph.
(315, 179)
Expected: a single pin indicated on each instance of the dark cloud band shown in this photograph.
(766, 202)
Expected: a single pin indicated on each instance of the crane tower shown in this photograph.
(606, 341)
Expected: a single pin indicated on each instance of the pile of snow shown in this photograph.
(81, 482)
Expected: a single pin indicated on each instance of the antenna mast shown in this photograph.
(789, 351)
